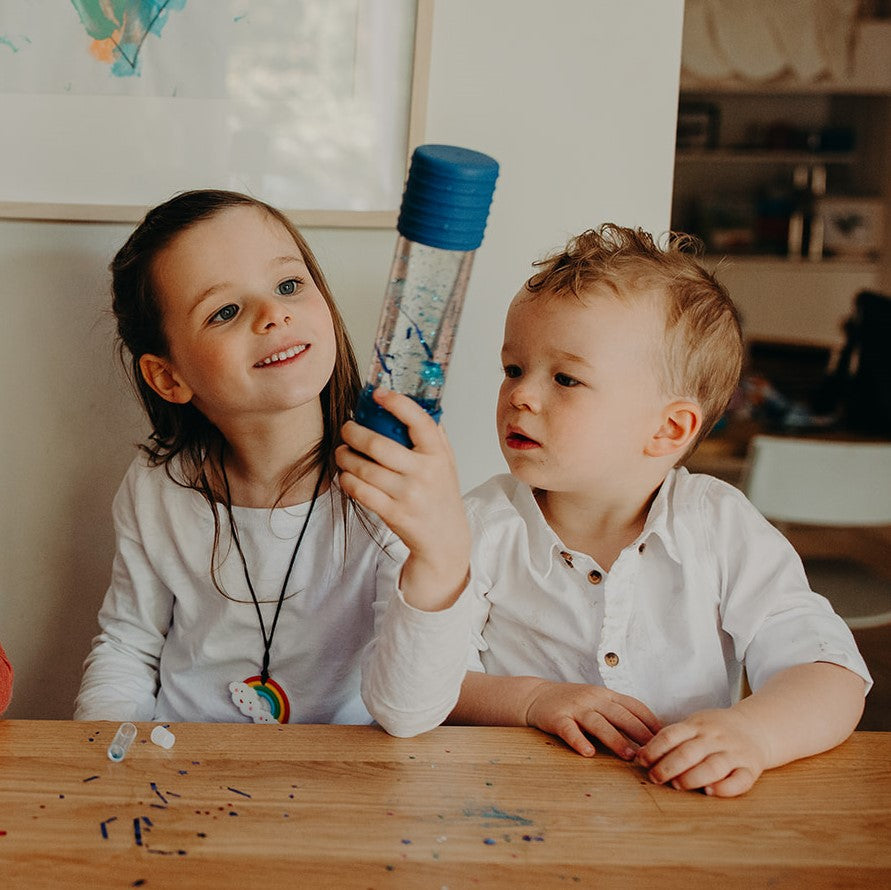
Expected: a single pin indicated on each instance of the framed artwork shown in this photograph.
(852, 227)
(112, 106)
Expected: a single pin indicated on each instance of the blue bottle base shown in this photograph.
(371, 415)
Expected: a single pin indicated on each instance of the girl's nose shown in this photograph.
(270, 315)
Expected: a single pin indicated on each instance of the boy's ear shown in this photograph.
(681, 423)
(159, 374)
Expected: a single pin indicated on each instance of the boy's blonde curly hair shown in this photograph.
(703, 353)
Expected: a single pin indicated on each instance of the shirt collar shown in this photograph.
(659, 518)
(545, 546)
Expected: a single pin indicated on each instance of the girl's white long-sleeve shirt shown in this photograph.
(346, 648)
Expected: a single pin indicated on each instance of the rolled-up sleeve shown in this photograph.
(774, 618)
(413, 668)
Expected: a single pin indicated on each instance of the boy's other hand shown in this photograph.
(719, 751)
(573, 711)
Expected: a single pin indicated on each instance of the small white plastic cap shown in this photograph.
(163, 737)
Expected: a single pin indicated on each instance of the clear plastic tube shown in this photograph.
(416, 332)
(121, 742)
(441, 223)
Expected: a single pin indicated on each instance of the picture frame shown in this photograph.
(312, 105)
(697, 128)
(853, 227)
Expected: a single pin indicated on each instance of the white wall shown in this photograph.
(575, 98)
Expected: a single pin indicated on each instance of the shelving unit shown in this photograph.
(751, 171)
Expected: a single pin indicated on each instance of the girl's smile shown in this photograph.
(283, 357)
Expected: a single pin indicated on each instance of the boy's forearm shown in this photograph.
(804, 710)
(494, 701)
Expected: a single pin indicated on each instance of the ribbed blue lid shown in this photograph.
(447, 197)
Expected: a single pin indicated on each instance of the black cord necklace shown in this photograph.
(261, 697)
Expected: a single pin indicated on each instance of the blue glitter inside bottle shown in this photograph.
(441, 223)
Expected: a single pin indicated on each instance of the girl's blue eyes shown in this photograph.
(226, 313)
(287, 288)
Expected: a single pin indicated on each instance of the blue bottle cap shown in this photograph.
(447, 197)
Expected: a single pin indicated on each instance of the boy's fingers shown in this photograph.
(569, 731)
(686, 757)
(665, 740)
(600, 727)
(709, 770)
(738, 782)
(643, 713)
(620, 715)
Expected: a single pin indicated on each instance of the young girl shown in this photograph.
(247, 582)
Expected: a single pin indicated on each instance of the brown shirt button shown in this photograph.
(594, 576)
(641, 547)
(567, 557)
(611, 659)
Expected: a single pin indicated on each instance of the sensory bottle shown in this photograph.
(441, 224)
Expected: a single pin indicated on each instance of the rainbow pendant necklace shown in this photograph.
(260, 697)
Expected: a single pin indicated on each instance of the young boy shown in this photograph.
(619, 596)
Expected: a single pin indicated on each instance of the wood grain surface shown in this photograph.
(344, 806)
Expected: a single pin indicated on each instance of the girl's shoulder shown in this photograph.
(147, 485)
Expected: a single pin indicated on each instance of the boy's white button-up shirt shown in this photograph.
(709, 587)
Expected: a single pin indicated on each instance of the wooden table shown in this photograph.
(336, 806)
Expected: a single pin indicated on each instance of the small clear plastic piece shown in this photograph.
(163, 737)
(121, 742)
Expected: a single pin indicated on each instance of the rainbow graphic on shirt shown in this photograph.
(262, 702)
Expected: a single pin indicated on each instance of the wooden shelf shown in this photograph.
(827, 264)
(761, 156)
(784, 87)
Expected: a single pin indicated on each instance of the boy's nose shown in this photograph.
(523, 395)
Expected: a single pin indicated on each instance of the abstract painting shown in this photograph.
(110, 106)
(119, 28)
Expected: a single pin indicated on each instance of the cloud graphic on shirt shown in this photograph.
(252, 705)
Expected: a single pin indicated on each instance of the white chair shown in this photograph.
(841, 486)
